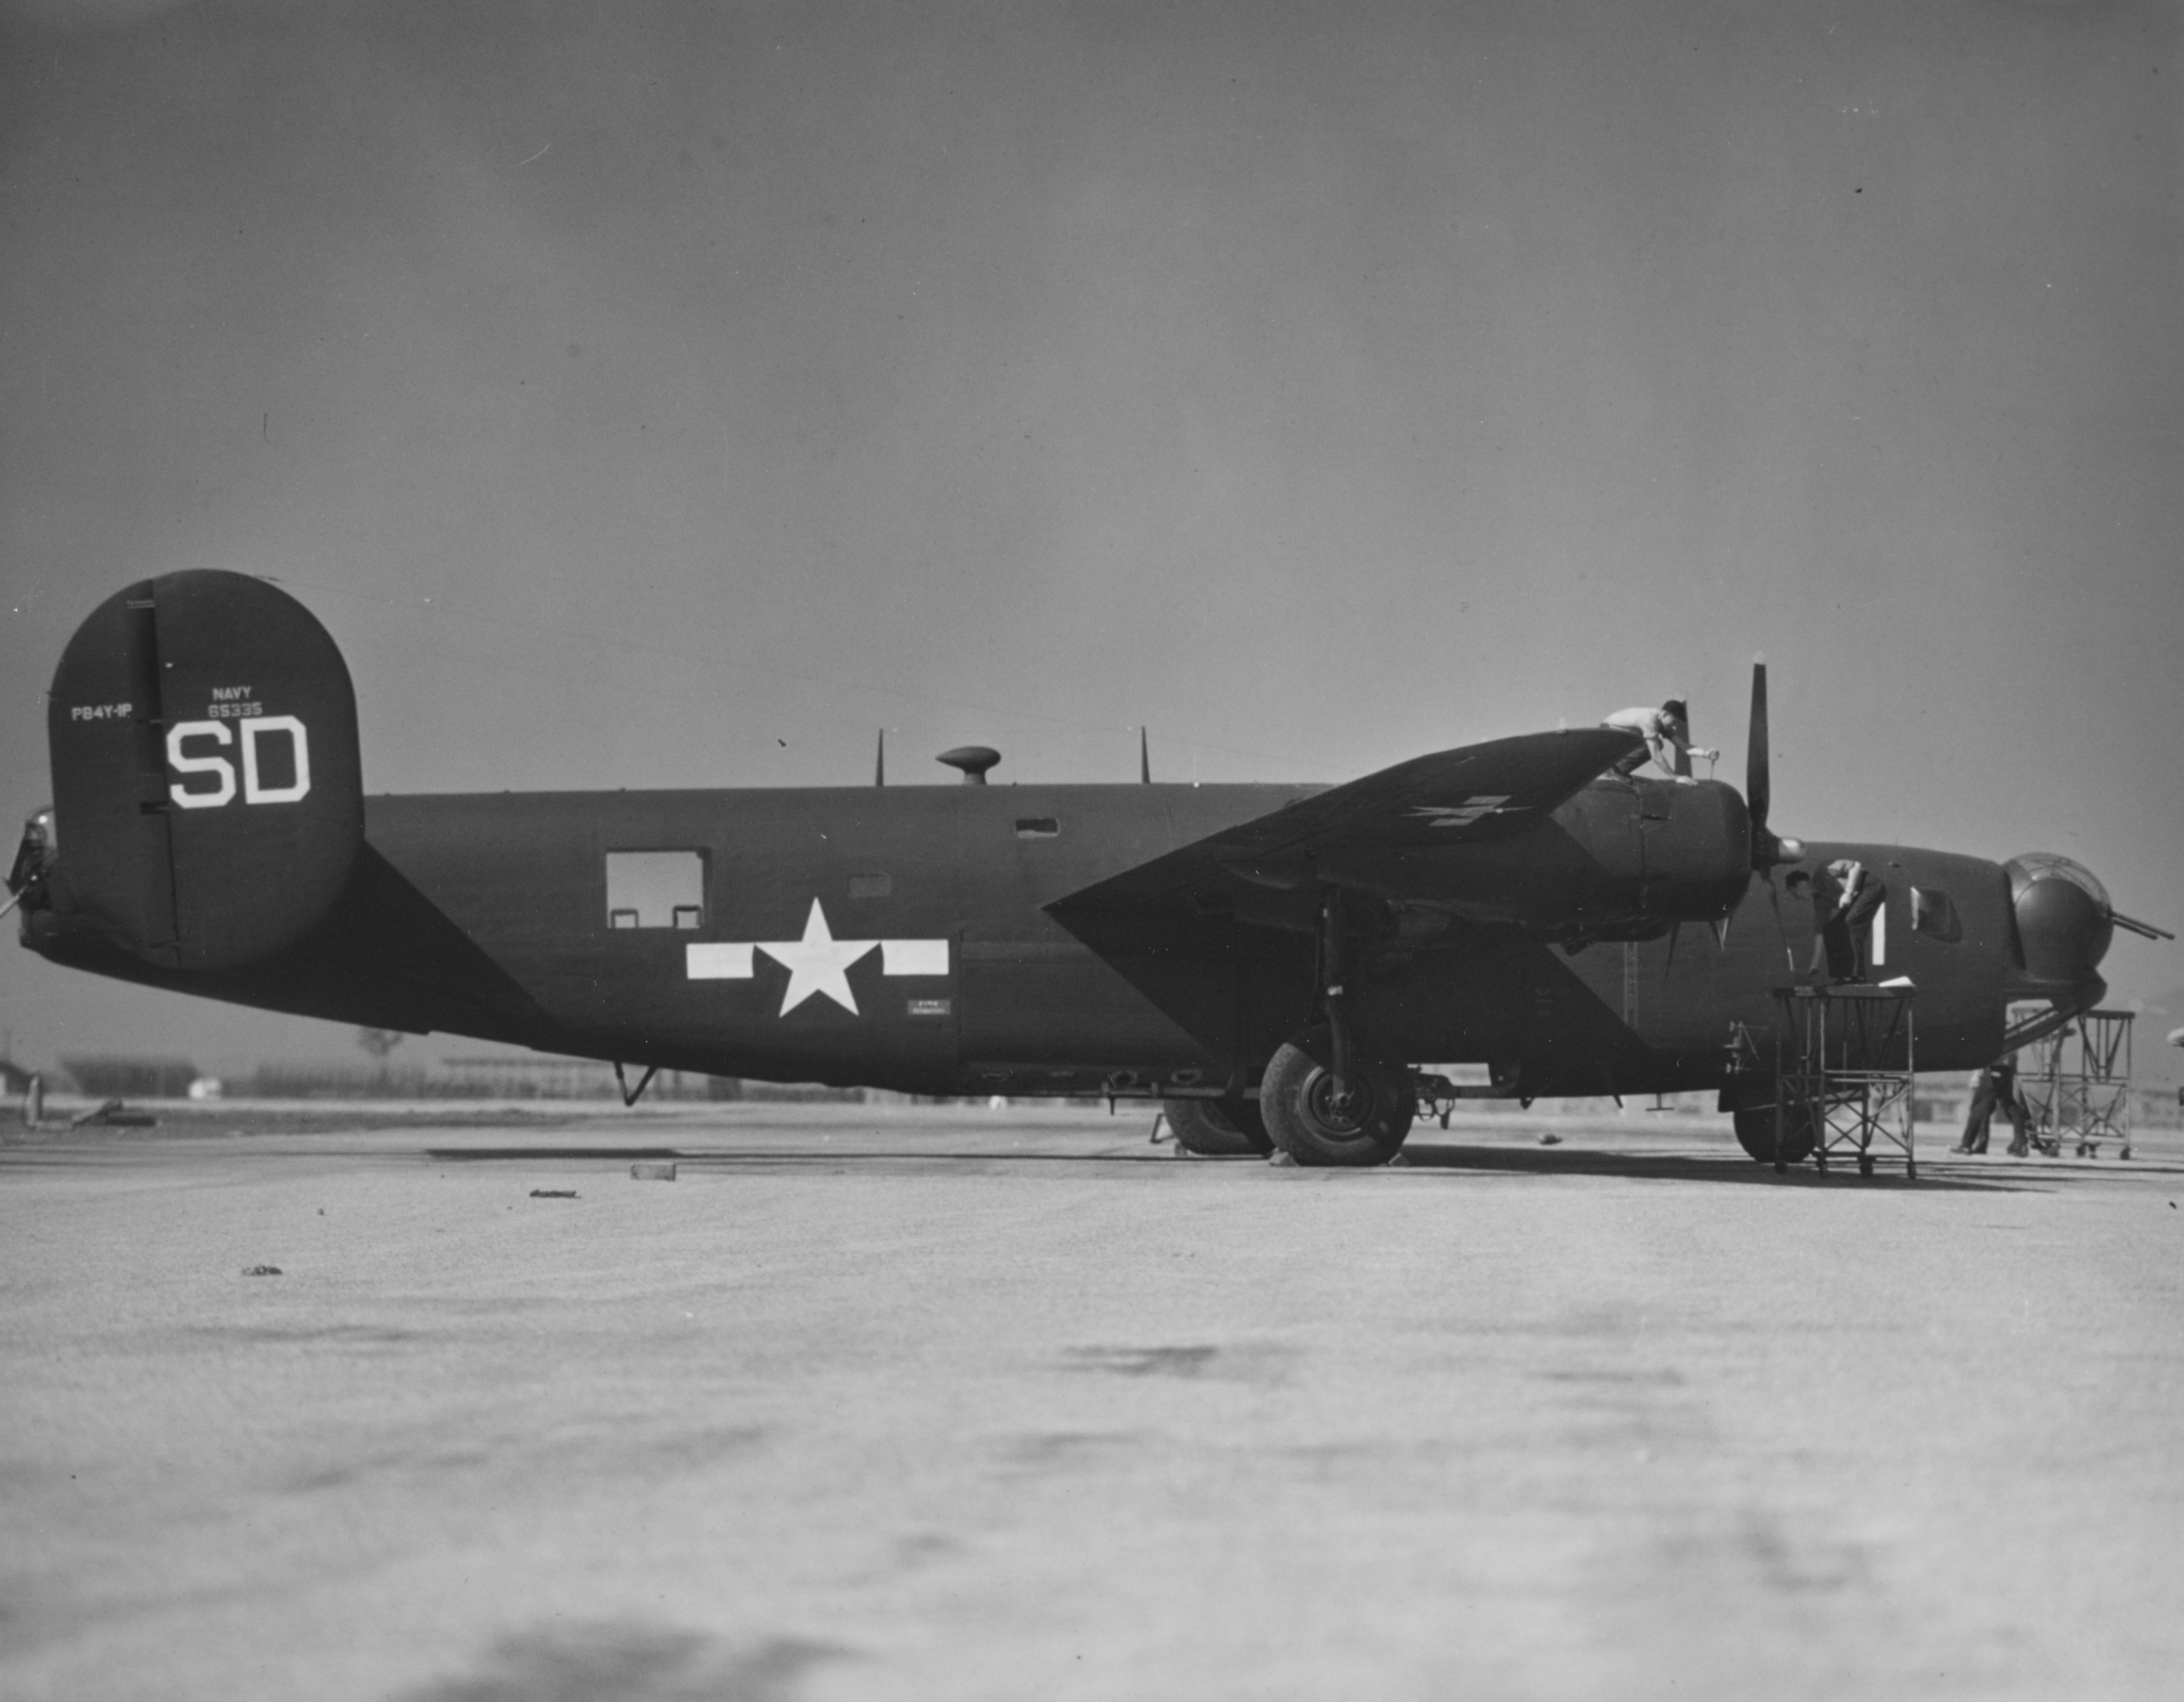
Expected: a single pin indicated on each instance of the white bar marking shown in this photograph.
(914, 957)
(730, 960)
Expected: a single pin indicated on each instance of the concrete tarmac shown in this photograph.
(955, 1403)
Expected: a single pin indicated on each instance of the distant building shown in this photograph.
(121, 1076)
(537, 1076)
(541, 1075)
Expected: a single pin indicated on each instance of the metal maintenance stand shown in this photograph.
(2076, 1084)
(1843, 1063)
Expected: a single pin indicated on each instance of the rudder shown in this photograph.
(208, 792)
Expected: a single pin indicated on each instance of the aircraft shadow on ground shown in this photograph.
(540, 1154)
(789, 1158)
(1443, 1159)
(1728, 1167)
(1448, 1159)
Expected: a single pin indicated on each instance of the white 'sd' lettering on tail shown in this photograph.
(256, 788)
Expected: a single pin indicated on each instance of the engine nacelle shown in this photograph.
(1622, 859)
(1683, 852)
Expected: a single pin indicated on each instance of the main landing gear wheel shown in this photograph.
(1755, 1133)
(1218, 1128)
(1314, 1125)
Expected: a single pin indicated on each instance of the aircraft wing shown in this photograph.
(1474, 792)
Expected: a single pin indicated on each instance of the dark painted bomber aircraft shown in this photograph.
(1273, 962)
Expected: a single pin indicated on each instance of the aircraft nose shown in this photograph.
(2064, 922)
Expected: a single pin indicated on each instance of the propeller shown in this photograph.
(1758, 787)
(1767, 848)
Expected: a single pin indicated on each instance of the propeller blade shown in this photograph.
(1767, 847)
(1759, 788)
(1781, 928)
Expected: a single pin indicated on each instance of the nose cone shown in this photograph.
(2064, 922)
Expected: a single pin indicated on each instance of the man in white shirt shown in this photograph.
(1668, 735)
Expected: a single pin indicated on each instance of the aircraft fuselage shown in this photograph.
(941, 970)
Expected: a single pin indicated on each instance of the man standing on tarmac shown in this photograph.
(1994, 1087)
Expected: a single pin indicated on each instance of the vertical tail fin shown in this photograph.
(208, 792)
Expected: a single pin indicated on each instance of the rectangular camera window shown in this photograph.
(1037, 828)
(871, 886)
(656, 889)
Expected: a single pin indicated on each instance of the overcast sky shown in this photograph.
(631, 388)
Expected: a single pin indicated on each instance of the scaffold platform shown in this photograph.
(2075, 1083)
(1844, 1058)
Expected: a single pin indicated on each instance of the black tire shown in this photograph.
(1296, 1095)
(1218, 1128)
(1755, 1133)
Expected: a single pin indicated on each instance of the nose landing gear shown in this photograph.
(1757, 1132)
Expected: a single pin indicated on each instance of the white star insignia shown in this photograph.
(817, 963)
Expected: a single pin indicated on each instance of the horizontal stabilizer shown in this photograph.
(1456, 796)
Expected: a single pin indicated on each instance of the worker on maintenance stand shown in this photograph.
(1668, 735)
(1844, 896)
